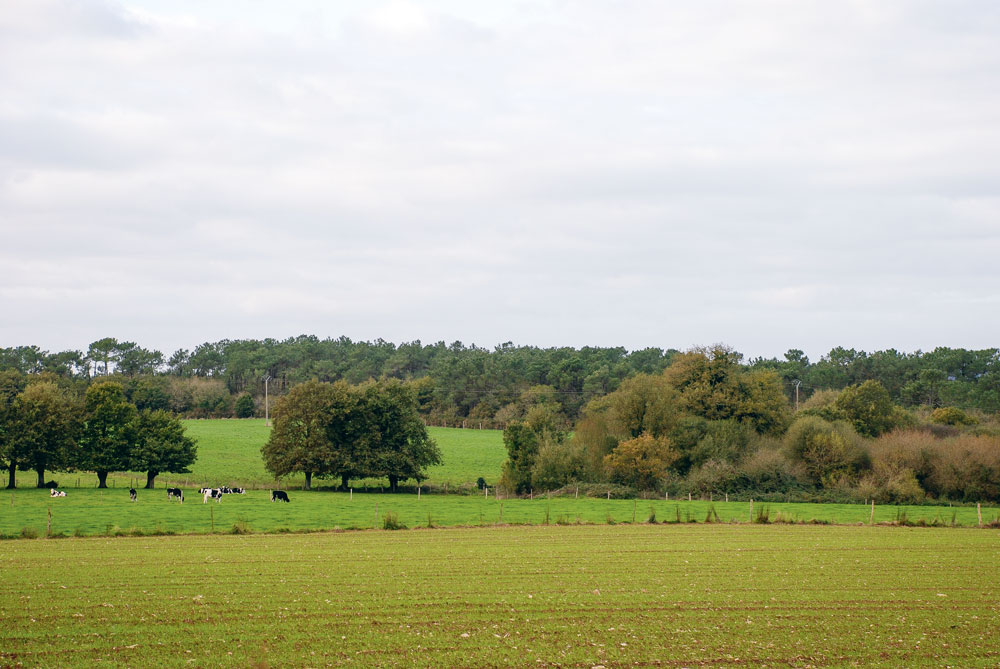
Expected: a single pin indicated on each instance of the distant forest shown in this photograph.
(473, 386)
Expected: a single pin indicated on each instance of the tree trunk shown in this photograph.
(343, 482)
(11, 480)
(393, 483)
(41, 477)
(309, 478)
(102, 479)
(149, 479)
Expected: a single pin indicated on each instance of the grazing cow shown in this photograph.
(132, 494)
(226, 490)
(212, 493)
(238, 491)
(56, 493)
(279, 496)
(175, 492)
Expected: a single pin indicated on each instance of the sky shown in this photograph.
(771, 174)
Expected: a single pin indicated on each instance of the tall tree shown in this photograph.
(48, 424)
(108, 432)
(161, 446)
(397, 438)
(300, 436)
(11, 385)
(102, 351)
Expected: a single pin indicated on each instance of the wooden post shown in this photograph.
(751, 510)
(418, 493)
(376, 515)
(486, 491)
(577, 495)
(48, 530)
(979, 512)
(501, 513)
(634, 505)
(666, 497)
(689, 497)
(727, 497)
(352, 494)
(871, 516)
(609, 495)
(531, 494)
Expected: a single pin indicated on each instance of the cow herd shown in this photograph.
(207, 494)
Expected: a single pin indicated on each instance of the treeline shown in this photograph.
(335, 430)
(470, 385)
(45, 426)
(711, 425)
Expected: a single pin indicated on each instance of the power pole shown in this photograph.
(797, 384)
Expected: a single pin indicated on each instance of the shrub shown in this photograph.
(241, 526)
(952, 416)
(391, 522)
(827, 451)
(244, 406)
(641, 462)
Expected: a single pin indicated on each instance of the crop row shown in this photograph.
(581, 595)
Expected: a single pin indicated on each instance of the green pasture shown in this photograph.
(87, 511)
(229, 454)
(672, 595)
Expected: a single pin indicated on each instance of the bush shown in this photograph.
(391, 522)
(827, 451)
(952, 416)
(244, 406)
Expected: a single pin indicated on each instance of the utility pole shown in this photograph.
(267, 415)
(797, 384)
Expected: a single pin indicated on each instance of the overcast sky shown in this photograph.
(770, 174)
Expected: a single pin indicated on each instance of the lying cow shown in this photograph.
(177, 493)
(132, 494)
(237, 491)
(56, 493)
(279, 496)
(212, 493)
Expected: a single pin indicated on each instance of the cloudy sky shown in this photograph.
(771, 174)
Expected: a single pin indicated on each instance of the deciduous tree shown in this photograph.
(109, 431)
(161, 446)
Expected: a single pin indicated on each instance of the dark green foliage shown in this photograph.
(868, 407)
(161, 446)
(326, 429)
(244, 406)
(109, 431)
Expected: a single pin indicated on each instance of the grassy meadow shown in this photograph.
(229, 454)
(87, 512)
(672, 595)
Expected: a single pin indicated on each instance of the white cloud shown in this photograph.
(779, 174)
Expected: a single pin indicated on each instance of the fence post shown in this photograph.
(634, 505)
(979, 513)
(48, 529)
(376, 515)
(871, 517)
(751, 509)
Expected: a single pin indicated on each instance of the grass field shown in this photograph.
(229, 454)
(677, 595)
(87, 512)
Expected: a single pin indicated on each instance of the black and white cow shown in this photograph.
(132, 494)
(238, 491)
(175, 493)
(212, 493)
(56, 493)
(279, 496)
